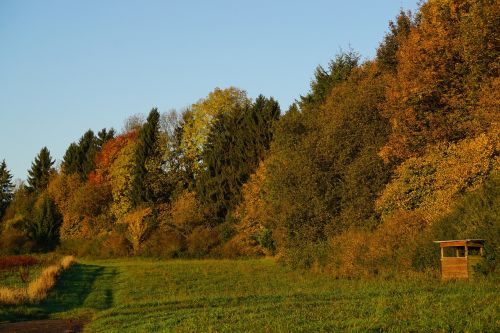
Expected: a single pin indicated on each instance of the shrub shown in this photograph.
(114, 245)
(165, 244)
(201, 241)
(16, 261)
(111, 245)
(15, 242)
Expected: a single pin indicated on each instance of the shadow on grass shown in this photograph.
(81, 286)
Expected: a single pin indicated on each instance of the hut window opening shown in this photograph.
(454, 251)
(474, 251)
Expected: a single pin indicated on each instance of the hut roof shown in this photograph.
(459, 242)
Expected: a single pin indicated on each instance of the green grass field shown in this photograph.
(139, 295)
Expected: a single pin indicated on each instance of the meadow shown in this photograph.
(144, 295)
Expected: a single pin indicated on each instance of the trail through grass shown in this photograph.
(138, 295)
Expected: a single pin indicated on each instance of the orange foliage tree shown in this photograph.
(444, 62)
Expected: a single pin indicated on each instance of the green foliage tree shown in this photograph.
(41, 168)
(324, 80)
(398, 32)
(324, 172)
(237, 142)
(80, 157)
(104, 136)
(6, 188)
(43, 229)
(148, 162)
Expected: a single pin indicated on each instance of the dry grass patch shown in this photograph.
(38, 289)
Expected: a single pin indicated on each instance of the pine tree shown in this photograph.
(104, 135)
(237, 142)
(147, 150)
(38, 175)
(5, 188)
(44, 228)
(80, 157)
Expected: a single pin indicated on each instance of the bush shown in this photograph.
(12, 262)
(163, 244)
(201, 241)
(111, 245)
(114, 244)
(15, 242)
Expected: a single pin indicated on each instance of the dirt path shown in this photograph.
(43, 326)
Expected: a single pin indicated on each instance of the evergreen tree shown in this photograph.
(398, 32)
(71, 159)
(147, 161)
(104, 135)
(237, 142)
(38, 175)
(44, 227)
(5, 188)
(324, 80)
(80, 157)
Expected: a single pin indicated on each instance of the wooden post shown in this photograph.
(442, 252)
(466, 251)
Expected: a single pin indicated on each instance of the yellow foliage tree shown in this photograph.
(183, 215)
(251, 214)
(197, 128)
(121, 179)
(431, 183)
(138, 226)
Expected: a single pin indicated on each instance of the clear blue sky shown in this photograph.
(67, 66)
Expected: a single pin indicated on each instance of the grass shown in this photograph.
(139, 295)
(10, 278)
(38, 288)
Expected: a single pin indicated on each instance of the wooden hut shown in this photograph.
(458, 258)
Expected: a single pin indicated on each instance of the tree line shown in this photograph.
(357, 177)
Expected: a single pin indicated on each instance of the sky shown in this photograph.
(67, 66)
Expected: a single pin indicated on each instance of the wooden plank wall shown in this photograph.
(454, 268)
(472, 261)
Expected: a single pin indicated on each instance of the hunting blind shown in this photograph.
(458, 258)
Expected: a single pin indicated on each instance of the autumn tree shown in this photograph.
(41, 168)
(139, 224)
(447, 57)
(115, 166)
(201, 116)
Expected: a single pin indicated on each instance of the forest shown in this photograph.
(355, 179)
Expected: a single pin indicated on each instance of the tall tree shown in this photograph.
(104, 136)
(324, 80)
(398, 32)
(80, 157)
(203, 114)
(443, 63)
(237, 142)
(148, 161)
(6, 187)
(44, 228)
(38, 175)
